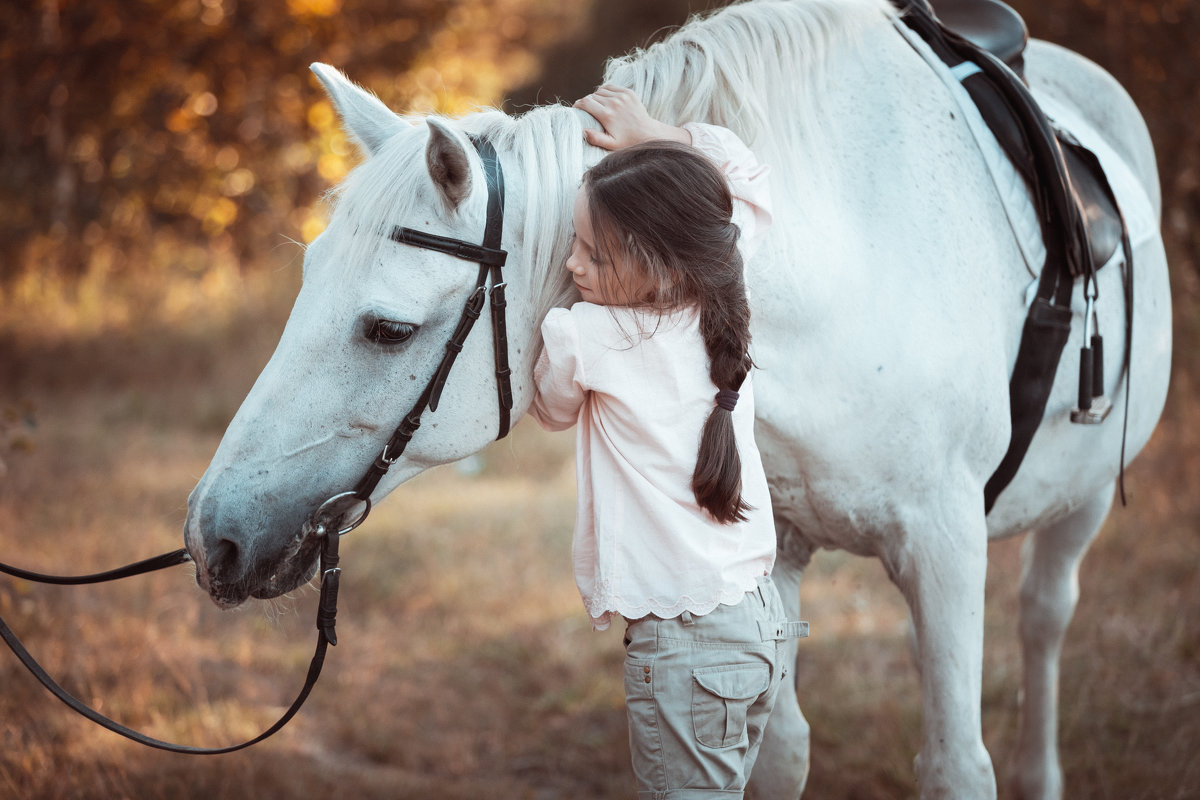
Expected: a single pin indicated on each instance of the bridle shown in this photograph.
(491, 261)
(328, 521)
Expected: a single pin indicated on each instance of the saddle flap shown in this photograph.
(1088, 184)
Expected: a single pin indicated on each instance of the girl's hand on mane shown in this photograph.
(625, 120)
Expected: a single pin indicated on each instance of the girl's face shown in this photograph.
(605, 281)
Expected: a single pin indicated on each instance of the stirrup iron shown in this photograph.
(1093, 406)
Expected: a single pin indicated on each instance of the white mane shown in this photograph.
(755, 67)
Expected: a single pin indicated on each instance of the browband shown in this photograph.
(451, 247)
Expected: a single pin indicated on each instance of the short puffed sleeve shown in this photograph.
(558, 374)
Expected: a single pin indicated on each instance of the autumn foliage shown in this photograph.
(187, 135)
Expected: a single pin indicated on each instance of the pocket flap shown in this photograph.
(734, 682)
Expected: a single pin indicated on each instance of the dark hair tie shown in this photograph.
(727, 399)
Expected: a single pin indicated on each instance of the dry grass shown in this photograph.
(466, 668)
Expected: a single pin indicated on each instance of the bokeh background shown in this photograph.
(162, 163)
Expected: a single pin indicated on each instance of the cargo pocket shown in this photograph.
(721, 696)
(639, 678)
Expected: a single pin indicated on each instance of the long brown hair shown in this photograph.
(668, 208)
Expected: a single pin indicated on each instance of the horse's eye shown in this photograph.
(386, 331)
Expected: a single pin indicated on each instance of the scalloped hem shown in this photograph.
(631, 611)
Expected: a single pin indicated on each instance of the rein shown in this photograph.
(328, 521)
(327, 609)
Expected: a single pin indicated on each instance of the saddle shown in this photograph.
(999, 29)
(983, 43)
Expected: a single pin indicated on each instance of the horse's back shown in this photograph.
(923, 314)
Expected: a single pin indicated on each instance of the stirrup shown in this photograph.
(1094, 415)
(1093, 406)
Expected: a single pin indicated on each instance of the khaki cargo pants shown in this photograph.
(698, 691)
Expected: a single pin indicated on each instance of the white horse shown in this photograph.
(887, 305)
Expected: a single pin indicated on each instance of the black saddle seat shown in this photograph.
(989, 24)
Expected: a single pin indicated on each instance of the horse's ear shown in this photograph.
(368, 121)
(449, 165)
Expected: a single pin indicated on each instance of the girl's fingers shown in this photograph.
(606, 97)
(620, 113)
(594, 137)
(609, 90)
(592, 105)
(601, 139)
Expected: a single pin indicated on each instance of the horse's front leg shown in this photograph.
(939, 562)
(781, 770)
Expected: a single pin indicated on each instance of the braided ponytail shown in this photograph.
(725, 327)
(669, 208)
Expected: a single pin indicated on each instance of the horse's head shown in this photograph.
(368, 330)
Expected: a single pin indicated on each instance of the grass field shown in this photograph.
(466, 668)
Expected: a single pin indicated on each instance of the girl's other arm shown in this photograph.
(557, 376)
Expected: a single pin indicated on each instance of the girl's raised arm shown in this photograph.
(749, 181)
(627, 122)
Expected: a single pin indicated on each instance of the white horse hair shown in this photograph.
(887, 309)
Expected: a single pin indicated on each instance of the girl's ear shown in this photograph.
(448, 163)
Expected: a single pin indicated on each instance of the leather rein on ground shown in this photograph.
(327, 521)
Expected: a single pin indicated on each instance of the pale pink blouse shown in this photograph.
(637, 386)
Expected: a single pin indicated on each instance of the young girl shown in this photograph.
(674, 530)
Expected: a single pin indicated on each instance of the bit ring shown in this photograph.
(327, 510)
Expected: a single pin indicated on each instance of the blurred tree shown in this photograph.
(168, 134)
(575, 63)
(175, 135)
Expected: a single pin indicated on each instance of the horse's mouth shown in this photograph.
(300, 571)
(295, 566)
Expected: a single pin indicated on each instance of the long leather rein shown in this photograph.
(327, 521)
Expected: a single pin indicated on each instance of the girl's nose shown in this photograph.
(574, 265)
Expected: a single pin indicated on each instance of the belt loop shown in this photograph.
(784, 629)
(686, 619)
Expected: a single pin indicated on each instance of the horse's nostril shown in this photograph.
(222, 556)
